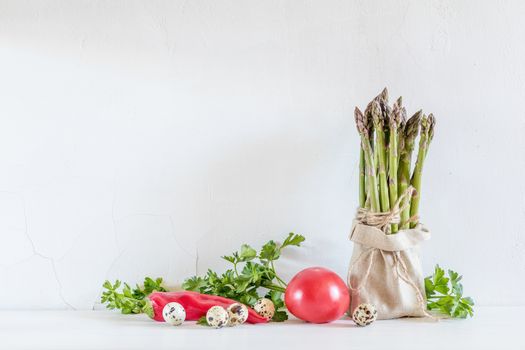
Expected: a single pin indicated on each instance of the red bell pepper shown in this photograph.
(195, 304)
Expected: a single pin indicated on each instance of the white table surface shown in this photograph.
(491, 328)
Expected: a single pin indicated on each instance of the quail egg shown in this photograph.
(174, 314)
(364, 314)
(238, 314)
(217, 317)
(265, 308)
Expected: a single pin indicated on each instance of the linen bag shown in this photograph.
(385, 271)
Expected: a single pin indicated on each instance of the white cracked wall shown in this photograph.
(151, 137)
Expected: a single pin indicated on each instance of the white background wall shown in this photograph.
(151, 137)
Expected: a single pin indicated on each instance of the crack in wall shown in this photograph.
(172, 225)
(36, 253)
(116, 219)
(115, 237)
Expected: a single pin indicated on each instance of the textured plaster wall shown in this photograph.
(151, 137)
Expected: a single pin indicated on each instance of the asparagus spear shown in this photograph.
(363, 127)
(401, 128)
(362, 174)
(410, 132)
(363, 185)
(376, 115)
(383, 95)
(432, 122)
(426, 135)
(397, 116)
(386, 112)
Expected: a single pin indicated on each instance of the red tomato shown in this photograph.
(317, 295)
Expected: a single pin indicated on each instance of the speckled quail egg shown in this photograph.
(217, 317)
(174, 314)
(364, 314)
(238, 314)
(265, 308)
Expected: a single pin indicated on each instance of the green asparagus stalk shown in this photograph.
(370, 128)
(406, 148)
(378, 122)
(363, 127)
(400, 129)
(431, 127)
(386, 112)
(426, 135)
(396, 118)
(363, 185)
(387, 144)
(362, 174)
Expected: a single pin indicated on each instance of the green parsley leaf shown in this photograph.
(128, 300)
(247, 253)
(445, 294)
(229, 258)
(194, 283)
(280, 316)
(277, 298)
(293, 239)
(202, 321)
(270, 251)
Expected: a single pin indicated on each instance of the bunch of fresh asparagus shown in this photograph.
(387, 144)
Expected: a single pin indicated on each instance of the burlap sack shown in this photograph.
(385, 271)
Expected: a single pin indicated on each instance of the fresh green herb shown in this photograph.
(250, 272)
(202, 321)
(126, 299)
(445, 294)
(277, 299)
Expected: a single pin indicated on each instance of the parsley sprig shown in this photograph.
(129, 300)
(445, 294)
(251, 271)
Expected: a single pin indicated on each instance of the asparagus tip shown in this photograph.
(431, 125)
(375, 112)
(360, 121)
(399, 114)
(412, 127)
(424, 123)
(384, 94)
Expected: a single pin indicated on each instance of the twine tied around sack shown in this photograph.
(383, 220)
